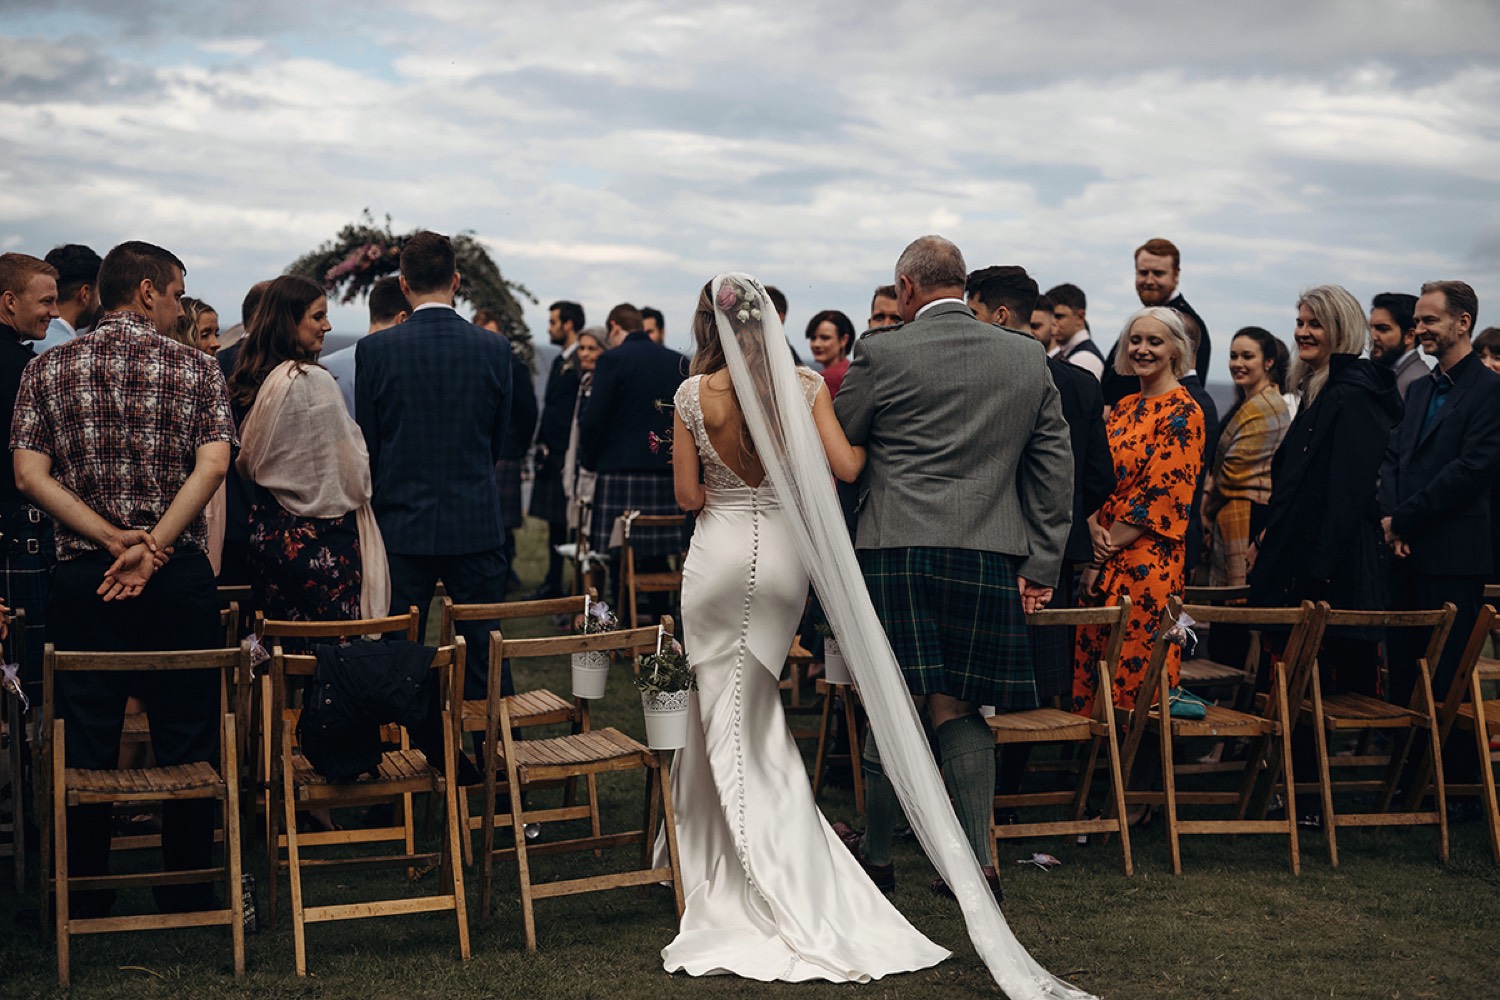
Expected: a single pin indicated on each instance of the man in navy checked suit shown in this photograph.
(433, 400)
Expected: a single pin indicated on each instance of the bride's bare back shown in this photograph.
(725, 426)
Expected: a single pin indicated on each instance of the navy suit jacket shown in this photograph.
(433, 399)
(1436, 486)
(558, 398)
(1093, 470)
(616, 424)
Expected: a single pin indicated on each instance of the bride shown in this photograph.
(771, 892)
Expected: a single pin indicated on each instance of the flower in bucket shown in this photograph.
(597, 618)
(666, 672)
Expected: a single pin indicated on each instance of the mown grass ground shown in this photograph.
(1390, 922)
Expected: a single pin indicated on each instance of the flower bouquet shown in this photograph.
(591, 669)
(665, 679)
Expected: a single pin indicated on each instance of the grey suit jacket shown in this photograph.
(967, 446)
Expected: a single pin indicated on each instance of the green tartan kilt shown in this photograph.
(954, 620)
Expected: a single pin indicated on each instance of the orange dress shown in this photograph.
(1156, 444)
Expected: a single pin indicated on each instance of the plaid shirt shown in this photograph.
(122, 412)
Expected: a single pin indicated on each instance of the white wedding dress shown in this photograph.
(772, 894)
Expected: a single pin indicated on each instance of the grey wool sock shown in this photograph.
(968, 752)
(881, 807)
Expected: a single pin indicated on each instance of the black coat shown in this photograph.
(15, 355)
(522, 412)
(1322, 539)
(1436, 487)
(1093, 471)
(632, 399)
(1193, 545)
(558, 398)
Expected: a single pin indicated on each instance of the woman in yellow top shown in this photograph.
(1240, 478)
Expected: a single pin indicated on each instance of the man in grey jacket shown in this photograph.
(966, 509)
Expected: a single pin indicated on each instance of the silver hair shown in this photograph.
(1177, 336)
(599, 335)
(932, 262)
(1345, 324)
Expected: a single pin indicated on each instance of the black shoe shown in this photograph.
(991, 877)
(884, 876)
(546, 592)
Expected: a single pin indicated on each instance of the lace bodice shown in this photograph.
(717, 475)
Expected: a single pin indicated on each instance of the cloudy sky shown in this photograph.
(630, 150)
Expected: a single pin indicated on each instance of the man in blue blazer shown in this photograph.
(1436, 479)
(433, 399)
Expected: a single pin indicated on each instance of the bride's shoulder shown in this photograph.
(811, 381)
(687, 392)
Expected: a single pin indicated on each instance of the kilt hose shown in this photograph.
(955, 623)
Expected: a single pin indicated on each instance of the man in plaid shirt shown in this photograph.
(122, 436)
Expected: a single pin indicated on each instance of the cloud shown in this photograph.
(613, 152)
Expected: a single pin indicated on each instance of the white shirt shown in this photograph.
(938, 302)
(59, 331)
(1087, 360)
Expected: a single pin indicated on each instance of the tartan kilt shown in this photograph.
(548, 501)
(647, 492)
(508, 479)
(25, 579)
(955, 623)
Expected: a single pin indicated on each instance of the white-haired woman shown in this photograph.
(1322, 538)
(1156, 446)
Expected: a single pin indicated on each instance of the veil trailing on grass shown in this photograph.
(787, 444)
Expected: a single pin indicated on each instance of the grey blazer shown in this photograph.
(967, 446)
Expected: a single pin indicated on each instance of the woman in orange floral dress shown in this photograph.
(1156, 443)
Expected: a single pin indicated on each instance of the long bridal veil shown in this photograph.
(787, 443)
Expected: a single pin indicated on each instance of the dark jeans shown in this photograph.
(470, 578)
(179, 609)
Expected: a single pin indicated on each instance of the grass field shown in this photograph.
(1390, 922)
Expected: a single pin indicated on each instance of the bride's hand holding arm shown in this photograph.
(846, 460)
(685, 469)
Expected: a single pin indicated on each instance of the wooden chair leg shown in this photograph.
(1289, 783)
(1116, 776)
(523, 864)
(46, 790)
(467, 826)
(1169, 786)
(1325, 778)
(595, 823)
(1486, 766)
(60, 851)
(457, 839)
(1435, 748)
(851, 727)
(235, 890)
(669, 821)
(487, 840)
(294, 869)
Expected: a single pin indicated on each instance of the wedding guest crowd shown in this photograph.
(348, 484)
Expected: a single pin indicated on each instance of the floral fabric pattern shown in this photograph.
(1156, 444)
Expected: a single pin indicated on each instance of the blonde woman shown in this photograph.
(1322, 537)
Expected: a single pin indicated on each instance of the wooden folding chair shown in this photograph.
(72, 786)
(268, 719)
(634, 583)
(1348, 713)
(15, 750)
(844, 695)
(401, 772)
(137, 731)
(526, 763)
(1268, 730)
(1466, 707)
(1201, 672)
(538, 707)
(1052, 725)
